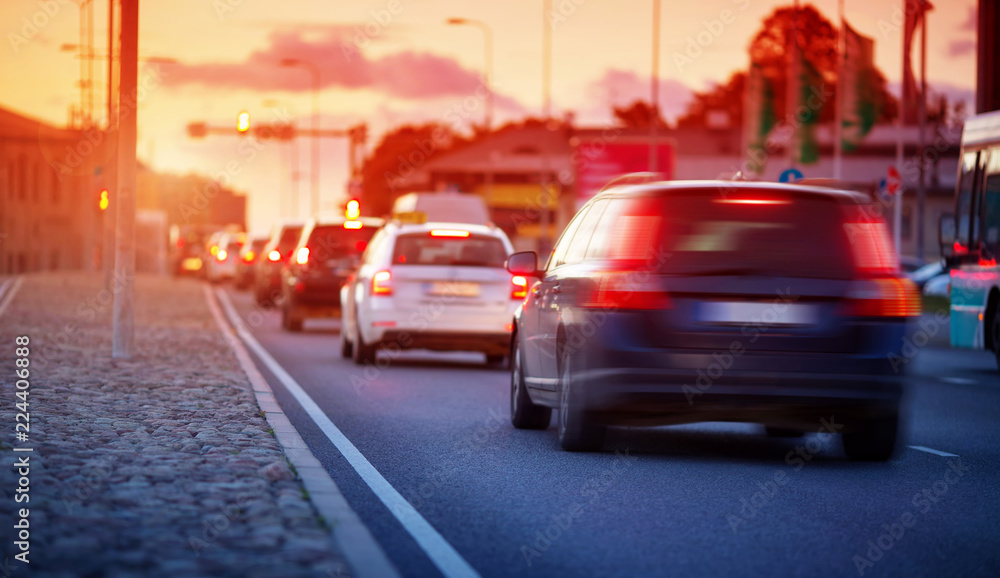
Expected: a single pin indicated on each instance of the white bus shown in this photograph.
(970, 238)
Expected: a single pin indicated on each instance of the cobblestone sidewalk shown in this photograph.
(162, 465)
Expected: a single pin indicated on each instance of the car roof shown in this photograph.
(488, 230)
(340, 220)
(666, 187)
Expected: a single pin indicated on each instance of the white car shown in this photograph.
(439, 286)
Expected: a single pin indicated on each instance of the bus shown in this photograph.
(970, 238)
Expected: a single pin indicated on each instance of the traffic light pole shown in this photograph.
(123, 330)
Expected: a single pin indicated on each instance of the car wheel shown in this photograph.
(363, 352)
(346, 347)
(524, 414)
(996, 333)
(874, 440)
(577, 430)
(782, 432)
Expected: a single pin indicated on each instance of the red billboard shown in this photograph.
(604, 156)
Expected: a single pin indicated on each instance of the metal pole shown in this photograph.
(314, 201)
(544, 217)
(897, 209)
(111, 166)
(838, 123)
(123, 331)
(921, 121)
(654, 99)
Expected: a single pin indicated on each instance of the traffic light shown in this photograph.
(353, 209)
(103, 202)
(243, 122)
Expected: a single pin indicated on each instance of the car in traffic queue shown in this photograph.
(327, 254)
(188, 248)
(275, 254)
(438, 286)
(248, 255)
(680, 302)
(224, 253)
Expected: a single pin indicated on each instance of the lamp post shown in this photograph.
(487, 61)
(314, 70)
(654, 98)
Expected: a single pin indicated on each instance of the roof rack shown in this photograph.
(634, 179)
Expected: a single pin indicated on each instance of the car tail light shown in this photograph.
(871, 245)
(624, 290)
(381, 283)
(249, 256)
(519, 287)
(449, 233)
(887, 297)
(221, 255)
(353, 224)
(274, 256)
(302, 255)
(752, 201)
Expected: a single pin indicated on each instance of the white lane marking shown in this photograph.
(9, 289)
(440, 552)
(958, 380)
(357, 544)
(933, 451)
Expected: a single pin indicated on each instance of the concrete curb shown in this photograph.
(355, 542)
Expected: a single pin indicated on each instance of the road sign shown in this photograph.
(883, 190)
(894, 182)
(790, 176)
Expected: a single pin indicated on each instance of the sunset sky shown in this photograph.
(388, 69)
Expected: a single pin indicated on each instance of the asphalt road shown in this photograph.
(700, 500)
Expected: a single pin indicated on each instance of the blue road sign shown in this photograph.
(790, 176)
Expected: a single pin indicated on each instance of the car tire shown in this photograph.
(782, 432)
(363, 352)
(577, 430)
(346, 347)
(524, 414)
(874, 440)
(996, 333)
(289, 321)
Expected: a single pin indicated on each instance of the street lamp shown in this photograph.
(487, 61)
(314, 70)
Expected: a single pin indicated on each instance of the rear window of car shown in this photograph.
(330, 241)
(700, 233)
(471, 251)
(289, 237)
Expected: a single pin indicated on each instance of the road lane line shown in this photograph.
(933, 451)
(355, 542)
(440, 552)
(7, 292)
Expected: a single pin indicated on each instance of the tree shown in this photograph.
(818, 40)
(637, 115)
(397, 159)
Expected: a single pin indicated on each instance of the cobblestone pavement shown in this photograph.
(158, 466)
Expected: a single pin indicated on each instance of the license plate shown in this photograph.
(454, 288)
(757, 313)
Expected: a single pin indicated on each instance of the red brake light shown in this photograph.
(274, 256)
(888, 297)
(221, 255)
(353, 224)
(519, 287)
(449, 233)
(302, 256)
(360, 246)
(381, 284)
(752, 201)
(621, 290)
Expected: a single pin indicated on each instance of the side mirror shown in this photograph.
(524, 263)
(946, 233)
